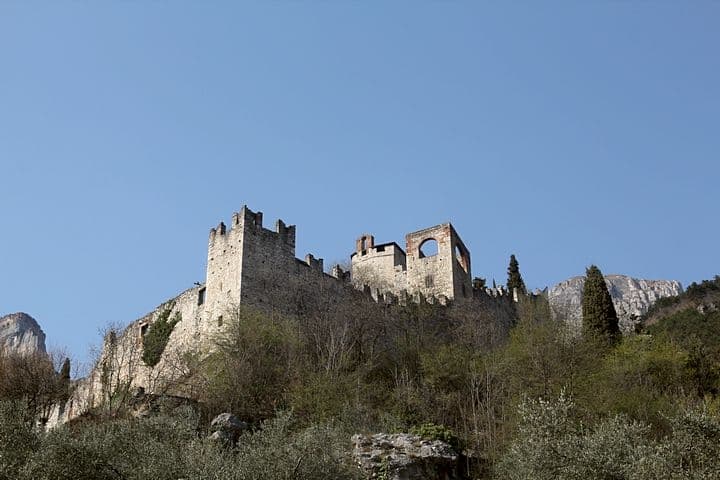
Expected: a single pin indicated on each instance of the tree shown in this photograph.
(157, 336)
(599, 315)
(32, 379)
(116, 365)
(514, 278)
(253, 362)
(65, 370)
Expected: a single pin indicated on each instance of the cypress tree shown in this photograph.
(65, 370)
(514, 278)
(599, 315)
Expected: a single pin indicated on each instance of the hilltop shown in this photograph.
(21, 333)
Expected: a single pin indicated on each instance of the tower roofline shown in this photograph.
(386, 244)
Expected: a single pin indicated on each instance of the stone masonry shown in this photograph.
(250, 265)
(435, 263)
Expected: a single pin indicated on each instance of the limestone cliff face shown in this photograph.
(632, 297)
(21, 334)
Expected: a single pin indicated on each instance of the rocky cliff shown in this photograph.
(631, 296)
(405, 457)
(20, 333)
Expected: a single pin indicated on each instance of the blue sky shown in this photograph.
(568, 133)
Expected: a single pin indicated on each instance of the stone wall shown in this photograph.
(119, 370)
(250, 265)
(382, 267)
(444, 273)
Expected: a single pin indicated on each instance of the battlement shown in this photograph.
(246, 221)
(435, 263)
(250, 264)
(314, 263)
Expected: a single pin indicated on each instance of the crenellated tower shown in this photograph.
(240, 257)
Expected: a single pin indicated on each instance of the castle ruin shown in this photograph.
(435, 264)
(250, 265)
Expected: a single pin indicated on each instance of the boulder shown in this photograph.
(227, 428)
(405, 456)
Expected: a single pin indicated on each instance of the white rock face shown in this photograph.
(21, 334)
(403, 456)
(632, 297)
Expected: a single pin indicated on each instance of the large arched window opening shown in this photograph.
(461, 258)
(428, 248)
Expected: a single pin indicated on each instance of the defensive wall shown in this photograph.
(250, 265)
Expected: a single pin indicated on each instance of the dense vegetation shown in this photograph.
(696, 295)
(599, 317)
(515, 281)
(156, 338)
(692, 320)
(165, 448)
(536, 403)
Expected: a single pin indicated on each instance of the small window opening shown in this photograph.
(429, 281)
(220, 321)
(428, 248)
(143, 329)
(381, 248)
(201, 296)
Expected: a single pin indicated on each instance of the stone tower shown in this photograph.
(435, 263)
(438, 263)
(380, 267)
(241, 258)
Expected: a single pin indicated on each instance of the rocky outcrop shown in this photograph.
(405, 457)
(21, 334)
(632, 298)
(227, 428)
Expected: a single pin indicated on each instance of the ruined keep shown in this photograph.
(250, 265)
(435, 264)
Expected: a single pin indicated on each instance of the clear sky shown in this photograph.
(568, 133)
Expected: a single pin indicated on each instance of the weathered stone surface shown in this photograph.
(227, 428)
(144, 405)
(252, 266)
(21, 334)
(632, 298)
(435, 264)
(405, 457)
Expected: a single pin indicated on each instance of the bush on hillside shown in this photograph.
(156, 338)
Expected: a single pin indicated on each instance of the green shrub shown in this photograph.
(156, 338)
(276, 452)
(430, 431)
(551, 444)
(253, 362)
(18, 438)
(131, 449)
